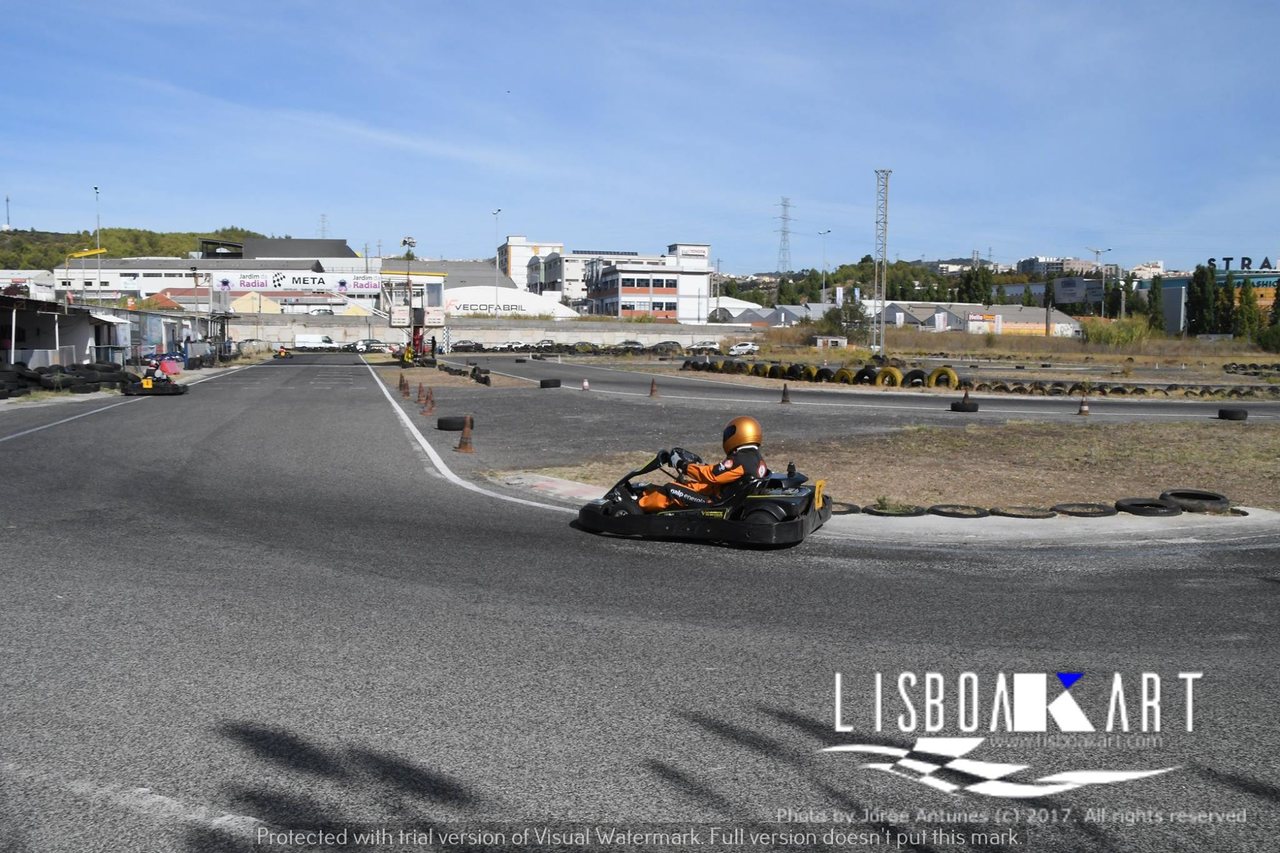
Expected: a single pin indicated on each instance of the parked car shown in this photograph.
(704, 347)
(466, 345)
(370, 345)
(545, 344)
(629, 347)
(667, 348)
(318, 311)
(585, 348)
(510, 346)
(744, 348)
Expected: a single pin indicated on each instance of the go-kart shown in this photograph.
(282, 353)
(145, 386)
(776, 509)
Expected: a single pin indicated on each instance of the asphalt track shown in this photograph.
(283, 601)
(702, 388)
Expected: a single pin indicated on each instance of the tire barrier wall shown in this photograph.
(894, 376)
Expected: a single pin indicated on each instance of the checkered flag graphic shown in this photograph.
(941, 763)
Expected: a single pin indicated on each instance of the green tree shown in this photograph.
(1274, 319)
(1028, 299)
(974, 286)
(1200, 301)
(1002, 298)
(849, 320)
(1155, 304)
(1224, 306)
(1248, 316)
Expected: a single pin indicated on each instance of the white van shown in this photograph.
(314, 342)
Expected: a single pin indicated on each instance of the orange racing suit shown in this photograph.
(700, 484)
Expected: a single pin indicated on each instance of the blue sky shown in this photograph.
(1015, 128)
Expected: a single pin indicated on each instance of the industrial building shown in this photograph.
(673, 286)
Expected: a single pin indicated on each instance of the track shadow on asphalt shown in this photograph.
(700, 543)
(826, 734)
(1262, 790)
(744, 737)
(331, 789)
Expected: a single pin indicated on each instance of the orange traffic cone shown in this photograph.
(431, 401)
(653, 387)
(786, 395)
(464, 443)
(422, 394)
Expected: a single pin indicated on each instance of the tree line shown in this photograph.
(47, 250)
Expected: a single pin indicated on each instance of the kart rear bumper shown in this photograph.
(706, 526)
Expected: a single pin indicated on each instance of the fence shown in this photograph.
(34, 358)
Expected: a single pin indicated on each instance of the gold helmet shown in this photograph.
(740, 432)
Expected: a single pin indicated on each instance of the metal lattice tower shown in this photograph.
(784, 243)
(882, 256)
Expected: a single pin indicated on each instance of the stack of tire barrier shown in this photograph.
(19, 380)
(903, 376)
(888, 376)
(1253, 368)
(1170, 503)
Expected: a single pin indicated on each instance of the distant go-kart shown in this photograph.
(777, 509)
(282, 353)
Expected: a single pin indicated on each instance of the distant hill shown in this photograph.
(46, 250)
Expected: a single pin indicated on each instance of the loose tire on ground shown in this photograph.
(1022, 512)
(900, 512)
(889, 377)
(967, 406)
(914, 378)
(453, 423)
(866, 376)
(1233, 414)
(1197, 500)
(545, 383)
(1154, 507)
(958, 511)
(945, 376)
(1084, 510)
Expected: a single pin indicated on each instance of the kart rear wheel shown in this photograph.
(759, 516)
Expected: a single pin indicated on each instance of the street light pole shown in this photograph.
(97, 230)
(1097, 259)
(495, 260)
(823, 235)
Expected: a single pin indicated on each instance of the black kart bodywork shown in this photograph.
(777, 509)
(143, 387)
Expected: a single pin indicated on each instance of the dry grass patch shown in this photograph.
(1022, 463)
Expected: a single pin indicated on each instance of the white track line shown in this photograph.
(436, 459)
(108, 408)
